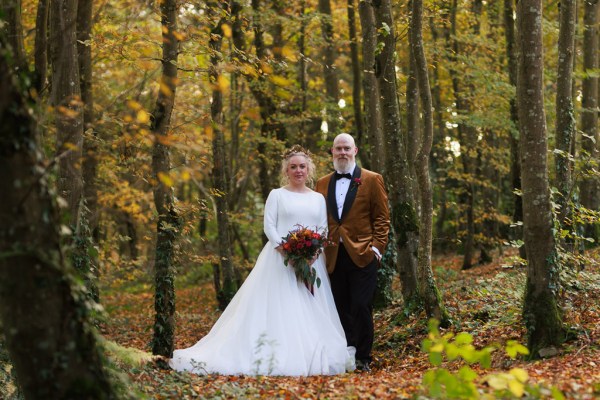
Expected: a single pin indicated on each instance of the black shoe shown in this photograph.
(363, 366)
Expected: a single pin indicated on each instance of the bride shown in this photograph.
(274, 325)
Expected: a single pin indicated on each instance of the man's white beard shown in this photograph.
(342, 165)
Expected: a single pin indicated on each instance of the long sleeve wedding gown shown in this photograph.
(274, 325)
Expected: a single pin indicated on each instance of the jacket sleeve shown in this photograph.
(380, 215)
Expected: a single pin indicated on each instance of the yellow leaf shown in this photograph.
(226, 30)
(70, 146)
(165, 89)
(165, 179)
(516, 388)
(179, 35)
(520, 374)
(134, 105)
(222, 84)
(437, 348)
(208, 131)
(280, 80)
(289, 53)
(142, 117)
(185, 175)
(496, 382)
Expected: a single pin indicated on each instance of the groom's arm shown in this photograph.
(380, 214)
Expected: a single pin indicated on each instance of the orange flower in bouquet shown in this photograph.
(300, 247)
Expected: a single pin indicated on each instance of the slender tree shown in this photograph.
(429, 293)
(66, 99)
(565, 118)
(590, 184)
(14, 32)
(227, 290)
(515, 160)
(356, 76)
(400, 184)
(329, 69)
(41, 46)
(167, 226)
(373, 121)
(541, 312)
(53, 349)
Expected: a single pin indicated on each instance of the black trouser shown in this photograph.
(353, 289)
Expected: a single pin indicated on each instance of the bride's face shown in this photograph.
(297, 170)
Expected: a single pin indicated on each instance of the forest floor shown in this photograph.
(484, 301)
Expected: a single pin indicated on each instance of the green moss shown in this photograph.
(404, 219)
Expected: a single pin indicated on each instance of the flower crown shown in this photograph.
(296, 150)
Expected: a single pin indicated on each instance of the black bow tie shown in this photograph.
(340, 176)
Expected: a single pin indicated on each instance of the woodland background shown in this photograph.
(140, 139)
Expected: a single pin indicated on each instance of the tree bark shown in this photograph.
(167, 226)
(565, 119)
(515, 161)
(373, 118)
(41, 46)
(53, 350)
(14, 32)
(428, 290)
(356, 76)
(590, 184)
(541, 312)
(329, 71)
(66, 98)
(400, 184)
(227, 289)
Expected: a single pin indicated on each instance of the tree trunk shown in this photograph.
(541, 313)
(373, 116)
(466, 137)
(329, 72)
(356, 77)
(400, 184)
(14, 32)
(429, 293)
(41, 46)
(87, 236)
(66, 98)
(589, 187)
(515, 161)
(228, 288)
(565, 119)
(54, 353)
(167, 226)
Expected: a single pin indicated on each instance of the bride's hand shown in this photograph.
(312, 261)
(280, 250)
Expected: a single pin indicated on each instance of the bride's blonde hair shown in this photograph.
(297, 150)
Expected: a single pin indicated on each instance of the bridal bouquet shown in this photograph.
(300, 246)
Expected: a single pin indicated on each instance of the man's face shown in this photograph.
(343, 152)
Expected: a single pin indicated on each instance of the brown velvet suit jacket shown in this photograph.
(365, 220)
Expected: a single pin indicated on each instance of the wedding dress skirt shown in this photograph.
(274, 325)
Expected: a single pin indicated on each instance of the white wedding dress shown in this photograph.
(274, 325)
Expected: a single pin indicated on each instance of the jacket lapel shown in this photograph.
(351, 195)
(331, 199)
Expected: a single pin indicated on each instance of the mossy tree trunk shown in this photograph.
(52, 347)
(541, 312)
(590, 184)
(400, 184)
(429, 293)
(565, 118)
(167, 226)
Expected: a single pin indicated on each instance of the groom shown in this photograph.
(358, 219)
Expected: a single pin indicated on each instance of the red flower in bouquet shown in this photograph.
(300, 247)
